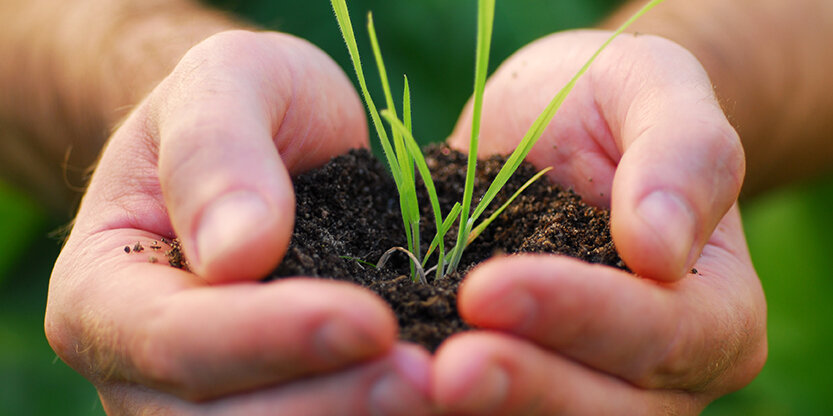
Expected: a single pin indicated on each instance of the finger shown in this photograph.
(230, 132)
(158, 326)
(397, 384)
(686, 335)
(682, 166)
(483, 373)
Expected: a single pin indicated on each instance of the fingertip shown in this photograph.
(367, 320)
(673, 185)
(468, 377)
(658, 238)
(413, 364)
(241, 235)
(454, 371)
(228, 194)
(366, 330)
(492, 296)
(404, 388)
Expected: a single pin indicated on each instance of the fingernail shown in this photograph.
(338, 340)
(672, 221)
(489, 392)
(405, 390)
(228, 221)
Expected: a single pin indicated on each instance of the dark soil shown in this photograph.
(348, 216)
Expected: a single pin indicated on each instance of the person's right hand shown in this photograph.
(207, 157)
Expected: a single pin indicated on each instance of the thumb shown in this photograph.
(225, 116)
(680, 172)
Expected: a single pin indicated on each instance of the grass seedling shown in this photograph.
(360, 261)
(485, 19)
(403, 153)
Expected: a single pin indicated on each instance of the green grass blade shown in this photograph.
(406, 206)
(424, 172)
(409, 166)
(419, 160)
(398, 144)
(540, 124)
(346, 27)
(358, 260)
(380, 65)
(406, 105)
(406, 171)
(447, 223)
(407, 224)
(485, 20)
(476, 231)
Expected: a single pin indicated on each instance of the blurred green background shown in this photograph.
(431, 40)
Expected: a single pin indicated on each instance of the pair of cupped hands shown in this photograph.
(208, 156)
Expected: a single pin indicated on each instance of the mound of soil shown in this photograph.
(348, 216)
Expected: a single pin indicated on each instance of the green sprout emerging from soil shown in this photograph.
(404, 155)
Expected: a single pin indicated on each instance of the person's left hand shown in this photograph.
(643, 134)
(207, 157)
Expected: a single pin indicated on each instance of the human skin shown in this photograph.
(71, 71)
(218, 136)
(768, 62)
(207, 156)
(643, 134)
(123, 388)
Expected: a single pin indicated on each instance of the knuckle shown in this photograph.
(725, 359)
(150, 357)
(221, 47)
(734, 163)
(84, 339)
(55, 334)
(238, 49)
(666, 368)
(728, 160)
(670, 368)
(215, 65)
(747, 348)
(657, 48)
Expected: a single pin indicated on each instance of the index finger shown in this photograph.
(149, 323)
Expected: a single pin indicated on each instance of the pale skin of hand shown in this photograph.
(642, 133)
(208, 157)
(815, 54)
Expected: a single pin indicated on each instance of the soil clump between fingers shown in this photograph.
(348, 215)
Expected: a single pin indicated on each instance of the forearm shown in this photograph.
(71, 70)
(770, 62)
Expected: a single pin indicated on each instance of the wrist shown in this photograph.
(768, 61)
(78, 68)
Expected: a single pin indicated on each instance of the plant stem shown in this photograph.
(485, 20)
